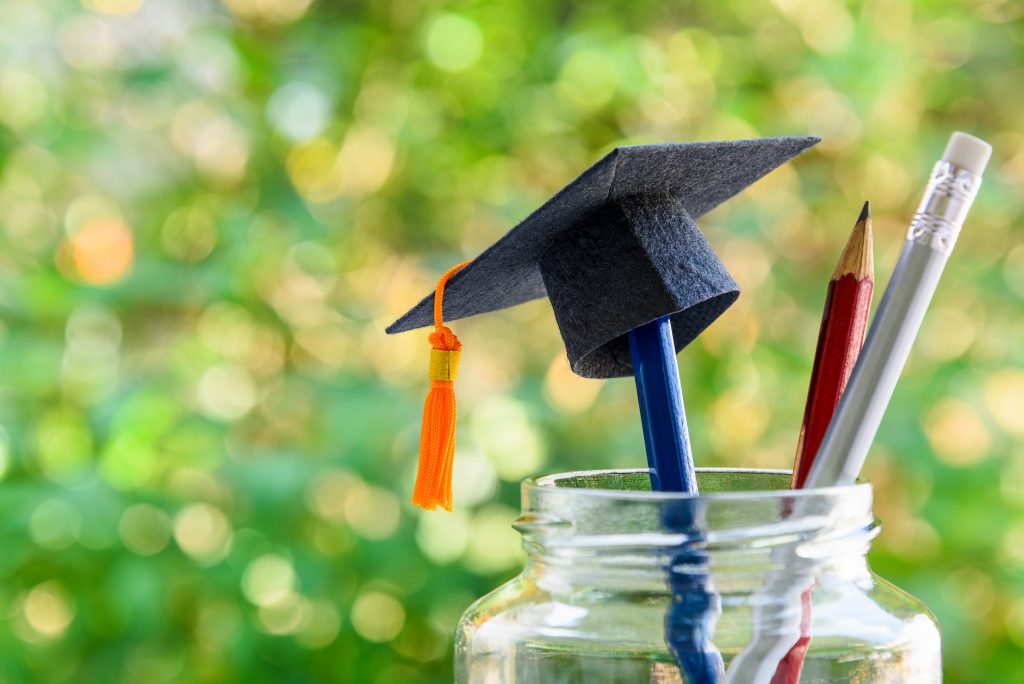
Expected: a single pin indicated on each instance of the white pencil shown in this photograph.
(933, 232)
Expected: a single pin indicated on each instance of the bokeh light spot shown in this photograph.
(372, 512)
(101, 251)
(588, 79)
(377, 616)
(474, 479)
(227, 329)
(502, 429)
(1013, 545)
(971, 591)
(55, 524)
(226, 392)
(454, 42)
(24, 96)
(956, 433)
(216, 143)
(313, 169)
(203, 532)
(299, 111)
(222, 151)
(285, 615)
(145, 529)
(268, 580)
(326, 492)
(1004, 396)
(48, 610)
(212, 61)
(320, 626)
(568, 392)
(89, 44)
(494, 546)
(826, 26)
(949, 332)
(129, 462)
(64, 446)
(189, 234)
(738, 418)
(365, 160)
(444, 538)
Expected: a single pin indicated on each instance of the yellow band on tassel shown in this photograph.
(444, 364)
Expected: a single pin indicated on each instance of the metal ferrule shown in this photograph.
(444, 364)
(950, 193)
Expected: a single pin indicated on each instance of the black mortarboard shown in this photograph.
(618, 248)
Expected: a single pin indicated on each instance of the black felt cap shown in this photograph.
(617, 248)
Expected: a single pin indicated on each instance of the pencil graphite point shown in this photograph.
(858, 258)
(865, 212)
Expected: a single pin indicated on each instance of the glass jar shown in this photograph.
(622, 584)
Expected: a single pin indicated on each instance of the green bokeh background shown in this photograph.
(210, 211)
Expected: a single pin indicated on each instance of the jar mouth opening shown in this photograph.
(633, 484)
(736, 508)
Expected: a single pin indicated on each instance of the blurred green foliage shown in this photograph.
(211, 210)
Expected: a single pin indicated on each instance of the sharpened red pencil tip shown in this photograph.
(857, 258)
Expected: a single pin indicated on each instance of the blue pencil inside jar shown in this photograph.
(622, 584)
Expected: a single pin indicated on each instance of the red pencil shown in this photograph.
(839, 341)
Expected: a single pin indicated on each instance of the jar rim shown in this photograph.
(739, 509)
(550, 482)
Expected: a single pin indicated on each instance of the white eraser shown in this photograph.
(967, 152)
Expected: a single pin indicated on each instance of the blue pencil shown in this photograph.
(661, 407)
(693, 613)
(695, 607)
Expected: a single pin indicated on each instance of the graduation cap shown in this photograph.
(615, 250)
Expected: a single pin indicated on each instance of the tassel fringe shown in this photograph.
(437, 449)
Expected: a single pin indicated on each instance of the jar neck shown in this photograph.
(645, 541)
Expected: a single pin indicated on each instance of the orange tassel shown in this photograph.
(437, 438)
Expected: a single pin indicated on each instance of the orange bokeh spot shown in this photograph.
(102, 251)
